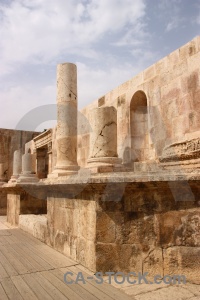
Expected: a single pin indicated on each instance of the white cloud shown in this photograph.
(173, 24)
(93, 83)
(19, 100)
(41, 30)
(46, 31)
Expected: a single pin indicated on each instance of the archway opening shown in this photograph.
(139, 127)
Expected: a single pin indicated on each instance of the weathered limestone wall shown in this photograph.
(172, 89)
(148, 231)
(72, 227)
(137, 226)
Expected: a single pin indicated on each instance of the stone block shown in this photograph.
(180, 68)
(136, 81)
(107, 257)
(132, 258)
(185, 104)
(87, 224)
(105, 228)
(194, 120)
(182, 261)
(180, 126)
(161, 66)
(170, 109)
(179, 228)
(188, 50)
(36, 225)
(149, 73)
(138, 142)
(171, 90)
(193, 63)
(196, 100)
(165, 78)
(153, 263)
(13, 208)
(173, 58)
(123, 88)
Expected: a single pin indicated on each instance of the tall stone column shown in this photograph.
(66, 135)
(17, 165)
(28, 172)
(103, 140)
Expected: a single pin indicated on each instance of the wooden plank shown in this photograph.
(36, 287)
(78, 288)
(23, 288)
(27, 255)
(57, 255)
(26, 237)
(89, 286)
(54, 292)
(19, 267)
(21, 258)
(11, 239)
(3, 240)
(3, 272)
(7, 266)
(35, 256)
(107, 288)
(10, 289)
(63, 288)
(3, 295)
(59, 259)
(50, 259)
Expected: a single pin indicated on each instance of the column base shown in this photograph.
(64, 171)
(13, 179)
(105, 164)
(27, 178)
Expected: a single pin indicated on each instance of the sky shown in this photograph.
(110, 41)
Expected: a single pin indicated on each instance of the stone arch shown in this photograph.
(139, 127)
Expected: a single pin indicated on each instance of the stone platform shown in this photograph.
(122, 222)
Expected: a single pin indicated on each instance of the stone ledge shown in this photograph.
(36, 225)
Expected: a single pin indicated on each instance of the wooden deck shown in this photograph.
(29, 269)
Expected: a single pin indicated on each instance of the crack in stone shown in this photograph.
(107, 124)
(69, 88)
(100, 134)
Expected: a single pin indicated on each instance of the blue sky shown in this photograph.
(109, 40)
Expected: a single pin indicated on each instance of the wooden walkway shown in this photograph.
(29, 269)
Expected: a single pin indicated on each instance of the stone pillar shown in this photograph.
(28, 172)
(2, 177)
(17, 165)
(49, 157)
(103, 140)
(41, 154)
(66, 135)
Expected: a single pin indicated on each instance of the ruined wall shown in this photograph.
(172, 89)
(149, 230)
(145, 226)
(11, 140)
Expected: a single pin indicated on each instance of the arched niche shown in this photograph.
(139, 127)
